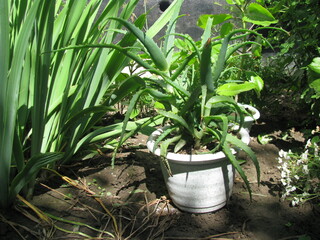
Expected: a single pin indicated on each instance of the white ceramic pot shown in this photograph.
(199, 183)
(250, 119)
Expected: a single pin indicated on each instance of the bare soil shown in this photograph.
(130, 201)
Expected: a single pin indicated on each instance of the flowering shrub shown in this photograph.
(300, 172)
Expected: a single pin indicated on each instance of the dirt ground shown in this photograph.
(130, 201)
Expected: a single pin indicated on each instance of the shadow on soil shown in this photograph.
(130, 201)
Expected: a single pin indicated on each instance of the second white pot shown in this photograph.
(250, 119)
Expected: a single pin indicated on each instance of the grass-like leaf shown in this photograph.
(233, 140)
(30, 170)
(227, 151)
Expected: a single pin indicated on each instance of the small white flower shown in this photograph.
(282, 153)
(316, 150)
(295, 201)
(305, 169)
(296, 177)
(305, 194)
(284, 183)
(299, 161)
(292, 189)
(304, 156)
(308, 144)
(283, 174)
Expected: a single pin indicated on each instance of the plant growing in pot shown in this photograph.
(199, 142)
(198, 124)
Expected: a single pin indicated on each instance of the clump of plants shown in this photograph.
(284, 68)
(57, 83)
(300, 172)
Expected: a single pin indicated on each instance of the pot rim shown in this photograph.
(193, 157)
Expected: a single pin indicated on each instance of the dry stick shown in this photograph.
(150, 213)
(91, 193)
(292, 237)
(50, 217)
(12, 224)
(90, 209)
(44, 220)
(105, 227)
(39, 213)
(204, 238)
(78, 224)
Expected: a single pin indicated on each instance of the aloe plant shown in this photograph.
(50, 99)
(186, 91)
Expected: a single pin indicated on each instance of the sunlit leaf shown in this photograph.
(232, 89)
(315, 85)
(315, 65)
(226, 28)
(217, 19)
(257, 14)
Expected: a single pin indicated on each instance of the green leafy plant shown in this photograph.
(242, 69)
(284, 69)
(185, 88)
(298, 18)
(312, 94)
(52, 95)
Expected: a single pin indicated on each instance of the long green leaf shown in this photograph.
(241, 145)
(223, 126)
(42, 75)
(207, 32)
(118, 58)
(227, 151)
(9, 92)
(222, 54)
(132, 104)
(134, 57)
(205, 67)
(166, 131)
(5, 149)
(155, 52)
(129, 85)
(177, 118)
(164, 18)
(30, 170)
(169, 40)
(164, 150)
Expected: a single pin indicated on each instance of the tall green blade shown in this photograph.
(155, 52)
(235, 163)
(205, 67)
(5, 145)
(169, 40)
(239, 144)
(30, 170)
(10, 91)
(164, 18)
(43, 44)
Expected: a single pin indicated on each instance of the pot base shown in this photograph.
(200, 210)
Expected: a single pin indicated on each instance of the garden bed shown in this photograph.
(135, 198)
